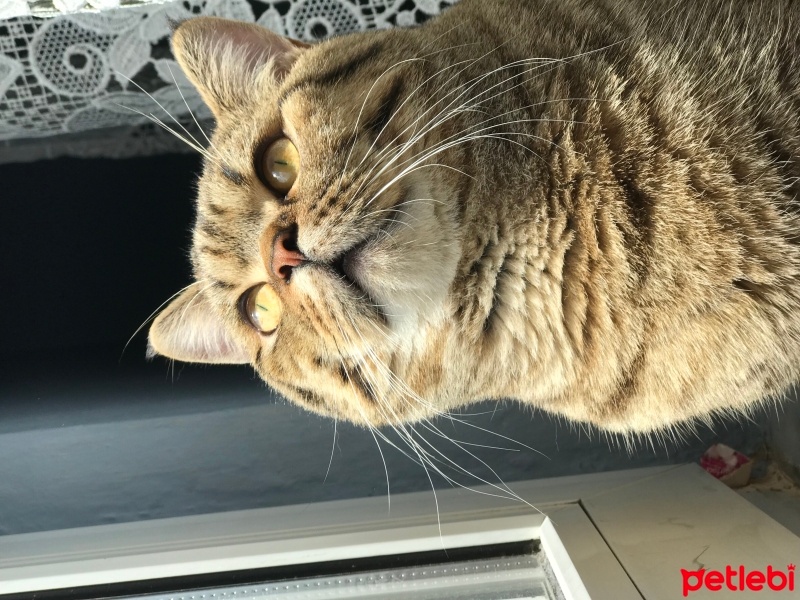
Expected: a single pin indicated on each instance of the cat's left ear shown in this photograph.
(190, 330)
(222, 58)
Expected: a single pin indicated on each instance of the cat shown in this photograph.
(590, 207)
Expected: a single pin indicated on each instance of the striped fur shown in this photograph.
(589, 207)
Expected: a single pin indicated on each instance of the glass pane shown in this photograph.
(507, 578)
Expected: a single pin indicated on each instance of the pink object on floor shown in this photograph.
(726, 464)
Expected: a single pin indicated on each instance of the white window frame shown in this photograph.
(620, 535)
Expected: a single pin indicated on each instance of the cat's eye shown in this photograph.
(261, 307)
(280, 164)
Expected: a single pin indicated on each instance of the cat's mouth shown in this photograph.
(343, 267)
(361, 270)
(352, 267)
(286, 257)
(353, 264)
(348, 268)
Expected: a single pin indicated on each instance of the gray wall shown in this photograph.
(783, 436)
(77, 451)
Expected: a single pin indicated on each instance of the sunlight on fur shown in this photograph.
(593, 213)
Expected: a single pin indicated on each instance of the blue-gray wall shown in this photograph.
(79, 452)
(783, 437)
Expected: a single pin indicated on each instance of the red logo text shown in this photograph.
(738, 579)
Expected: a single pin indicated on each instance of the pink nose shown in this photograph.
(285, 255)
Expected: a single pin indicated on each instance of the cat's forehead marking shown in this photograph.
(327, 74)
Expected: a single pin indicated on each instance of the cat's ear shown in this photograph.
(190, 330)
(222, 58)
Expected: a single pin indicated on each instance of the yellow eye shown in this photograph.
(261, 307)
(280, 165)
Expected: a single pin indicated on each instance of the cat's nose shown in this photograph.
(285, 254)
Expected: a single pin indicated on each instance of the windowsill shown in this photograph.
(630, 532)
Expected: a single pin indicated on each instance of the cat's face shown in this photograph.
(325, 243)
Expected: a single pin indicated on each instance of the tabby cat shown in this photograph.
(589, 206)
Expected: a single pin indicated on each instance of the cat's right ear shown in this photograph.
(190, 330)
(222, 58)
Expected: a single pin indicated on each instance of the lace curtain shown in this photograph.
(78, 77)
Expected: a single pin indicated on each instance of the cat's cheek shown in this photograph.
(259, 345)
(265, 345)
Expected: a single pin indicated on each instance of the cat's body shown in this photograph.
(611, 236)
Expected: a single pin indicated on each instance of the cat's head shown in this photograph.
(326, 240)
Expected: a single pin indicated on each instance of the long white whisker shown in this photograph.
(161, 106)
(361, 111)
(188, 108)
(166, 127)
(153, 314)
(436, 121)
(385, 468)
(418, 88)
(333, 449)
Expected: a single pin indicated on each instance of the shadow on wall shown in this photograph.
(783, 436)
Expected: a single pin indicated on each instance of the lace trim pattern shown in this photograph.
(106, 64)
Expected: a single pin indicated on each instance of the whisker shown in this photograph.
(153, 314)
(385, 468)
(361, 111)
(188, 108)
(437, 120)
(333, 449)
(503, 487)
(197, 145)
(163, 125)
(409, 95)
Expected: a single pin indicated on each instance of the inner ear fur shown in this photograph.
(222, 58)
(190, 330)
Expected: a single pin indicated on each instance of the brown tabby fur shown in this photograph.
(613, 238)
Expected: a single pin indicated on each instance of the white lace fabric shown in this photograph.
(70, 67)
